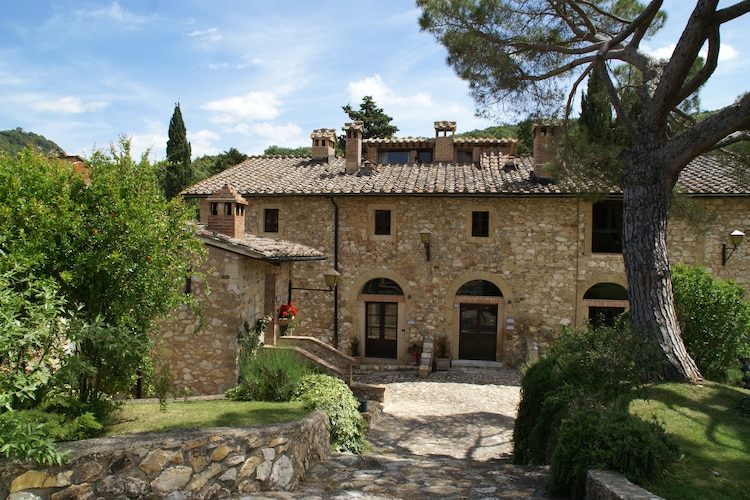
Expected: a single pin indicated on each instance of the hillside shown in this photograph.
(13, 141)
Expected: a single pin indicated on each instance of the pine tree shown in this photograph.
(376, 122)
(179, 173)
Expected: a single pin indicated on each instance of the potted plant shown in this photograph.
(356, 354)
(287, 313)
(442, 354)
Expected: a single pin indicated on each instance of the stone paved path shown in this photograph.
(448, 436)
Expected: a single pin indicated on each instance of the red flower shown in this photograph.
(287, 311)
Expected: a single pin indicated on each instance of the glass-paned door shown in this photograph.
(478, 334)
(381, 325)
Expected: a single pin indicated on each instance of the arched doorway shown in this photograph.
(605, 301)
(381, 297)
(480, 311)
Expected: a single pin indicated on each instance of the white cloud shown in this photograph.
(726, 52)
(250, 107)
(70, 104)
(383, 95)
(202, 143)
(289, 135)
(205, 38)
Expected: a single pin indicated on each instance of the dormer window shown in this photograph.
(393, 157)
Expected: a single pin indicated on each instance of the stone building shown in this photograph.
(247, 277)
(457, 238)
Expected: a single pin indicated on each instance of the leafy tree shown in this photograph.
(376, 122)
(114, 249)
(179, 173)
(525, 51)
(208, 165)
(281, 151)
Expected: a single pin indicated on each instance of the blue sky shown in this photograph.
(247, 73)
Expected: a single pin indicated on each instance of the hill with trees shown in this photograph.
(14, 141)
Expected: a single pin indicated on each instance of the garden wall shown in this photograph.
(194, 463)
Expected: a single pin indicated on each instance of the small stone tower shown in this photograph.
(444, 151)
(544, 148)
(354, 131)
(323, 144)
(226, 212)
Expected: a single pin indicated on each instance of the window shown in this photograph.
(480, 224)
(464, 157)
(383, 222)
(214, 208)
(391, 157)
(271, 220)
(605, 302)
(424, 156)
(606, 233)
(227, 209)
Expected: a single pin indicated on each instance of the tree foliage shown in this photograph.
(179, 173)
(207, 165)
(715, 320)
(113, 251)
(282, 151)
(376, 122)
(526, 53)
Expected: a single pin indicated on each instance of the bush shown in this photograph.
(27, 440)
(347, 426)
(584, 368)
(715, 321)
(272, 374)
(601, 439)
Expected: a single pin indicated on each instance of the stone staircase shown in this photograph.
(335, 362)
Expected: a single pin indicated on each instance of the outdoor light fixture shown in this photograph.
(425, 235)
(332, 279)
(735, 239)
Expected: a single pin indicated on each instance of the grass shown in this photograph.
(147, 417)
(712, 434)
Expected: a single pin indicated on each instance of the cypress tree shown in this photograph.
(179, 173)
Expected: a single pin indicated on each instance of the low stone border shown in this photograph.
(610, 485)
(193, 463)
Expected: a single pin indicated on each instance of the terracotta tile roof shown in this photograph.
(494, 175)
(266, 249)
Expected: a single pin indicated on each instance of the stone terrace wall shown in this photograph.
(200, 463)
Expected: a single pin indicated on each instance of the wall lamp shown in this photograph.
(735, 239)
(331, 278)
(425, 235)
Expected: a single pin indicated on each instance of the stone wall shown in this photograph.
(241, 290)
(538, 254)
(196, 464)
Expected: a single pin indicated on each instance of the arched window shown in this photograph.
(605, 301)
(480, 288)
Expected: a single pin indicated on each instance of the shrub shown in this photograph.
(597, 438)
(347, 426)
(715, 321)
(584, 368)
(271, 374)
(27, 440)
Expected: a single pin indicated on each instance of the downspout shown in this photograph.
(336, 268)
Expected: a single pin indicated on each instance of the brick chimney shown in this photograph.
(354, 131)
(444, 150)
(544, 148)
(323, 144)
(226, 212)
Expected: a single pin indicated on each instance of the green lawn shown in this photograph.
(711, 432)
(147, 417)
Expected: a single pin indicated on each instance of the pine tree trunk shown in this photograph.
(646, 196)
